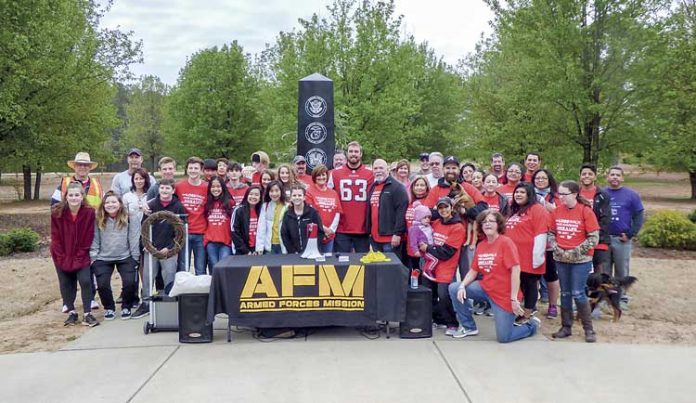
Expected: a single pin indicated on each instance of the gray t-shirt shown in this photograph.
(122, 182)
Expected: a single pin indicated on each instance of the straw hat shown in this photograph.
(82, 158)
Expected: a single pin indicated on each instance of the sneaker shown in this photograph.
(521, 320)
(125, 313)
(478, 308)
(94, 305)
(90, 320)
(451, 330)
(488, 312)
(463, 332)
(439, 326)
(143, 310)
(65, 309)
(109, 314)
(72, 319)
(536, 324)
(552, 313)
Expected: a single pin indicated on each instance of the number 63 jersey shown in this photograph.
(351, 186)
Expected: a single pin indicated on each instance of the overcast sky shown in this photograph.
(173, 30)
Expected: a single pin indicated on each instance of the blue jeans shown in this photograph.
(326, 247)
(216, 252)
(505, 331)
(620, 256)
(197, 252)
(573, 278)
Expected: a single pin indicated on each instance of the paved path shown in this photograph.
(115, 362)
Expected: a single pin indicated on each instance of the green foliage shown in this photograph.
(18, 240)
(692, 216)
(213, 111)
(146, 112)
(668, 229)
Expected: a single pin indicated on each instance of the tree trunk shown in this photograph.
(37, 184)
(26, 173)
(692, 179)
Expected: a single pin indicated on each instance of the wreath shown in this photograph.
(179, 233)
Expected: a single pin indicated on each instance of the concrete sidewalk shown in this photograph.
(116, 362)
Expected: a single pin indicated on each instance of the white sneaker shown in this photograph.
(94, 305)
(65, 309)
(451, 330)
(109, 314)
(463, 332)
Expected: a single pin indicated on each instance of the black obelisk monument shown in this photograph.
(315, 121)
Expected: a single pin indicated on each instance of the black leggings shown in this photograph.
(68, 287)
(127, 269)
(443, 310)
(529, 284)
(551, 273)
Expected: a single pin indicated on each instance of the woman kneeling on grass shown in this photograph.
(497, 260)
(72, 232)
(116, 244)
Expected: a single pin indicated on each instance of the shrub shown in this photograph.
(692, 216)
(19, 240)
(668, 229)
(5, 245)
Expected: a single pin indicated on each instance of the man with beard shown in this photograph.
(352, 183)
(531, 164)
(468, 203)
(301, 167)
(626, 221)
(386, 221)
(498, 167)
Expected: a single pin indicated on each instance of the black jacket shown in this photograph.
(391, 214)
(163, 232)
(293, 229)
(602, 209)
(240, 230)
(446, 251)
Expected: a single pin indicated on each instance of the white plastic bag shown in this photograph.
(188, 283)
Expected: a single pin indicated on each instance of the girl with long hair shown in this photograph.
(245, 220)
(218, 211)
(136, 199)
(287, 175)
(272, 211)
(496, 201)
(514, 176)
(116, 244)
(72, 233)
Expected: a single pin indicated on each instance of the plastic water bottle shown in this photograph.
(414, 279)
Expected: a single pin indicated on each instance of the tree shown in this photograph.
(390, 93)
(213, 110)
(668, 84)
(146, 111)
(556, 78)
(56, 81)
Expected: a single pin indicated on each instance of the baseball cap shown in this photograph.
(444, 200)
(299, 159)
(424, 157)
(209, 164)
(450, 159)
(135, 151)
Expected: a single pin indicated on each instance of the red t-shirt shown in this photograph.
(193, 199)
(351, 186)
(253, 226)
(256, 178)
(237, 194)
(492, 201)
(572, 225)
(218, 229)
(452, 235)
(528, 177)
(374, 216)
(522, 229)
(327, 203)
(494, 260)
(306, 179)
(507, 190)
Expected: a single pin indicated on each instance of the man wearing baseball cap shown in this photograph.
(210, 167)
(122, 181)
(424, 160)
(467, 202)
(301, 167)
(81, 165)
(260, 161)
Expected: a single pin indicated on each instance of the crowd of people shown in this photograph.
(487, 241)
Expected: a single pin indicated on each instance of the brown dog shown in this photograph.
(603, 287)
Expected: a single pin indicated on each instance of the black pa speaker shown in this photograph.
(193, 311)
(419, 313)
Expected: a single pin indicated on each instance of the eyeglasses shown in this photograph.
(514, 172)
(434, 164)
(565, 194)
(490, 221)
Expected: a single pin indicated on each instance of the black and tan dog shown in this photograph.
(603, 287)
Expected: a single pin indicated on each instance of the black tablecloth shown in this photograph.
(288, 291)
